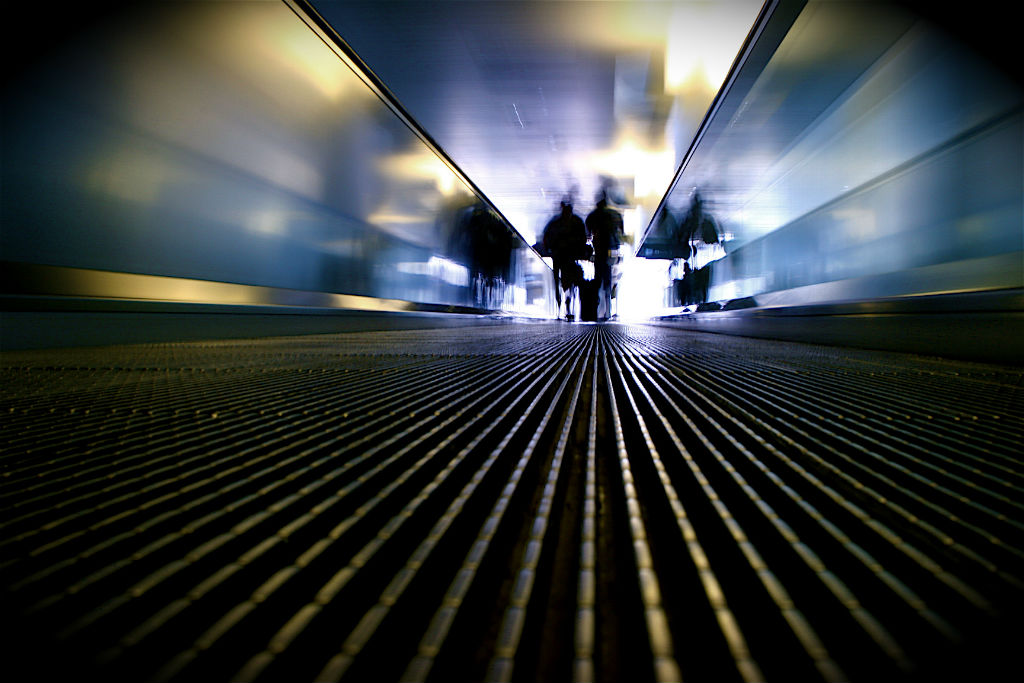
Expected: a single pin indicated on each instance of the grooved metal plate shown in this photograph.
(536, 502)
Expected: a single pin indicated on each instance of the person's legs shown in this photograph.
(603, 276)
(556, 269)
(564, 282)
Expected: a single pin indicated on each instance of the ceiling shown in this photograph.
(537, 101)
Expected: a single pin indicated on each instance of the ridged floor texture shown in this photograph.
(537, 502)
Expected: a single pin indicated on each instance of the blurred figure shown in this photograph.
(692, 288)
(684, 287)
(565, 238)
(667, 224)
(490, 256)
(698, 224)
(604, 227)
(479, 240)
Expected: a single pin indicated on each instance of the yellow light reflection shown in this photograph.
(423, 166)
(266, 36)
(383, 218)
(703, 41)
(251, 66)
(651, 169)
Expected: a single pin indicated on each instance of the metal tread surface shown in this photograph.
(537, 502)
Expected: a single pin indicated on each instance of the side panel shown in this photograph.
(226, 142)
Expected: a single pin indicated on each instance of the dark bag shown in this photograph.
(588, 300)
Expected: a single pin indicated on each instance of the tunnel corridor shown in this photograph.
(530, 502)
(285, 394)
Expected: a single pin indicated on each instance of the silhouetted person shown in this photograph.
(686, 285)
(699, 224)
(565, 238)
(479, 240)
(490, 255)
(667, 224)
(604, 226)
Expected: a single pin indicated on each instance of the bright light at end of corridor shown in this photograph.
(651, 169)
(641, 288)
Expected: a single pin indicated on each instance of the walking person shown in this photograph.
(604, 227)
(565, 238)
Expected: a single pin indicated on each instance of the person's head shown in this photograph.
(566, 208)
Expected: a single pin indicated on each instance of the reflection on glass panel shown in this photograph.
(873, 156)
(227, 142)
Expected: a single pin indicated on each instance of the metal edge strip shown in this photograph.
(32, 284)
